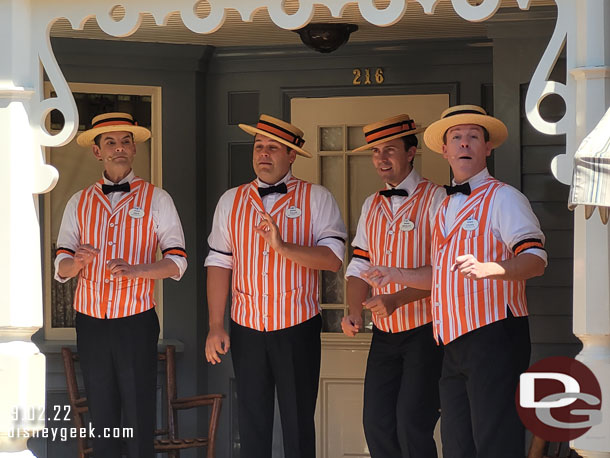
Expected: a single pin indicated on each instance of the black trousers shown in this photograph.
(480, 376)
(119, 364)
(288, 361)
(401, 400)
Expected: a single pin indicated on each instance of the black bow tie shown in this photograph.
(108, 188)
(464, 188)
(280, 189)
(394, 192)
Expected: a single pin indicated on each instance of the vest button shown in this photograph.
(391, 232)
(106, 281)
(111, 224)
(265, 253)
(388, 252)
(110, 243)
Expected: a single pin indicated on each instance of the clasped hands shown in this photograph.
(85, 254)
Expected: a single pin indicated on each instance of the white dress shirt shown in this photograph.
(356, 265)
(512, 218)
(165, 218)
(328, 226)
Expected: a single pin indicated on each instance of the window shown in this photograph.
(78, 168)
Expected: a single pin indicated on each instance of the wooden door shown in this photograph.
(333, 128)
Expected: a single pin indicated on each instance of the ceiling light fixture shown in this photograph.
(326, 37)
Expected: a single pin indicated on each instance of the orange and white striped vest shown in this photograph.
(401, 240)
(271, 292)
(126, 232)
(461, 305)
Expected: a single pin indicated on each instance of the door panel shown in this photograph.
(333, 128)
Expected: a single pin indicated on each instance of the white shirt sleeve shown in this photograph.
(328, 227)
(69, 236)
(221, 250)
(360, 261)
(516, 225)
(169, 230)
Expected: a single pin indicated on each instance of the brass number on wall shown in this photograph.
(363, 77)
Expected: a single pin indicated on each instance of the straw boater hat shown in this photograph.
(464, 114)
(388, 129)
(113, 122)
(279, 130)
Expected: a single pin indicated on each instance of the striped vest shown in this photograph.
(401, 240)
(117, 233)
(271, 292)
(462, 305)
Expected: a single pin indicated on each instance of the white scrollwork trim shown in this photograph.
(476, 13)
(123, 27)
(429, 6)
(291, 21)
(63, 102)
(385, 17)
(540, 87)
(524, 4)
(211, 23)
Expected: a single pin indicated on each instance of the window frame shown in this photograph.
(156, 177)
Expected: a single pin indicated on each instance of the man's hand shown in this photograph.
(269, 231)
(380, 276)
(468, 266)
(121, 268)
(382, 306)
(84, 255)
(351, 325)
(217, 342)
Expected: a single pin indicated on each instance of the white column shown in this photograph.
(22, 176)
(588, 61)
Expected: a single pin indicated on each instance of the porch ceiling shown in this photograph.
(415, 24)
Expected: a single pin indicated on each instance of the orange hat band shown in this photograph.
(114, 122)
(280, 132)
(389, 130)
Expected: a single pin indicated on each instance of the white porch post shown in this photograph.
(589, 75)
(22, 176)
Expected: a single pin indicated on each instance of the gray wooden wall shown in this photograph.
(206, 92)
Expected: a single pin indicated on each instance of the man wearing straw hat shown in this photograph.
(108, 237)
(401, 403)
(271, 237)
(486, 243)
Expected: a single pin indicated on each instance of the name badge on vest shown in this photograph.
(470, 224)
(136, 212)
(407, 225)
(293, 212)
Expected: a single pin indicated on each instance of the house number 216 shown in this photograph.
(363, 76)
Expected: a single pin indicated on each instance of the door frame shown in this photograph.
(453, 89)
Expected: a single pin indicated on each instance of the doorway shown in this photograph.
(332, 129)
